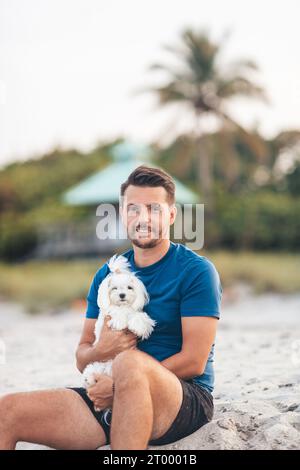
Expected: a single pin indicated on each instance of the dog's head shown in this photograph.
(122, 289)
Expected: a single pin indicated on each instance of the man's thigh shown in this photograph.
(167, 396)
(165, 387)
(57, 418)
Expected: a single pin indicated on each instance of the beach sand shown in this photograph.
(257, 368)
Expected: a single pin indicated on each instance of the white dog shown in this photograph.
(122, 296)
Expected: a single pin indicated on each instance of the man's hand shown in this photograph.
(112, 342)
(101, 393)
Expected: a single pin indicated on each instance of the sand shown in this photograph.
(257, 368)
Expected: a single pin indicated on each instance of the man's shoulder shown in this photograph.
(127, 253)
(101, 273)
(193, 261)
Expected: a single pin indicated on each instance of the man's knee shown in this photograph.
(8, 409)
(129, 363)
(8, 401)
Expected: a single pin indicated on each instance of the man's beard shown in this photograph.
(148, 244)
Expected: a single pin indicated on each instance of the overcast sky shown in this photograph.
(68, 67)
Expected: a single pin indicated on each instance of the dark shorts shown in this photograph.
(197, 409)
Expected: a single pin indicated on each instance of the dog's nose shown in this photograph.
(122, 296)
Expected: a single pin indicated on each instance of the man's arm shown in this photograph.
(87, 352)
(111, 343)
(198, 334)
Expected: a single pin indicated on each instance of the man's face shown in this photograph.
(147, 215)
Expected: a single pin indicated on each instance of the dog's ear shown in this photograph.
(103, 294)
(142, 296)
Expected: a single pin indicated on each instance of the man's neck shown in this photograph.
(145, 256)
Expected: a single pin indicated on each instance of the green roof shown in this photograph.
(104, 186)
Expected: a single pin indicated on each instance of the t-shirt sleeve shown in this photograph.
(201, 292)
(92, 305)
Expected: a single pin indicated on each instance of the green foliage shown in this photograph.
(30, 195)
(262, 220)
(26, 185)
(18, 237)
(247, 216)
(293, 181)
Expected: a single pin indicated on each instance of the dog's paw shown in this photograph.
(90, 372)
(141, 325)
(118, 323)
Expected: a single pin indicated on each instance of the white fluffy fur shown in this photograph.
(126, 313)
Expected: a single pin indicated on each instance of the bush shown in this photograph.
(18, 237)
(259, 221)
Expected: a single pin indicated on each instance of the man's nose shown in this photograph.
(144, 216)
(122, 296)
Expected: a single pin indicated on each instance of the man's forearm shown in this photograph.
(86, 354)
(182, 365)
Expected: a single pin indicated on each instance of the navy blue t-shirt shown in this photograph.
(181, 284)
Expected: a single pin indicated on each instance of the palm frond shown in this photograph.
(241, 86)
(171, 92)
(201, 54)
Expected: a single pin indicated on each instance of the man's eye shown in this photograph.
(156, 208)
(133, 210)
(129, 287)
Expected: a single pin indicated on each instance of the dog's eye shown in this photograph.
(114, 288)
(129, 287)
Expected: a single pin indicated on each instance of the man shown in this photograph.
(161, 388)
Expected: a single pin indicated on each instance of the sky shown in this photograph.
(69, 68)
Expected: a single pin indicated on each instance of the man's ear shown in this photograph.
(173, 214)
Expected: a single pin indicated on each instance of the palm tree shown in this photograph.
(285, 155)
(200, 84)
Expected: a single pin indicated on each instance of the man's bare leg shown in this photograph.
(147, 399)
(58, 418)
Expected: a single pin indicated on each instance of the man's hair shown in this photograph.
(145, 175)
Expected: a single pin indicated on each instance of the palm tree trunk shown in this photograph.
(205, 171)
